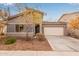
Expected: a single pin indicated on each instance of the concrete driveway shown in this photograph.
(62, 46)
(63, 43)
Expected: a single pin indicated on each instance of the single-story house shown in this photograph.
(27, 22)
(30, 22)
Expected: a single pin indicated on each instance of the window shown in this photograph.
(19, 27)
(10, 27)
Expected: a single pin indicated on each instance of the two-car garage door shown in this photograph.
(54, 30)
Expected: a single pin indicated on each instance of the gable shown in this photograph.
(21, 19)
(68, 17)
(28, 16)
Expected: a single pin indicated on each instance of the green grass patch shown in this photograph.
(10, 40)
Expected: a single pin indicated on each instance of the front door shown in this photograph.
(37, 28)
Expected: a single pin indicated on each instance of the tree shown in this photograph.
(27, 14)
(21, 9)
(74, 23)
(2, 25)
(20, 6)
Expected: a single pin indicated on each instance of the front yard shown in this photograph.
(22, 44)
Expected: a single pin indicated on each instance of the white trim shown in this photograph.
(21, 34)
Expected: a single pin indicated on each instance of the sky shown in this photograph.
(52, 11)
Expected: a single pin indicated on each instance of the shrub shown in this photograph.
(10, 40)
(40, 37)
(2, 33)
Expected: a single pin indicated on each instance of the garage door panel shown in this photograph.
(54, 31)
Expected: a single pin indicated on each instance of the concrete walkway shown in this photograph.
(62, 46)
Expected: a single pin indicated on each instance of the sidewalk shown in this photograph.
(38, 53)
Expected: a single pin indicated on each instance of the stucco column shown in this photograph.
(40, 28)
(34, 29)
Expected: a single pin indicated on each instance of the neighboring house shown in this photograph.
(68, 17)
(27, 22)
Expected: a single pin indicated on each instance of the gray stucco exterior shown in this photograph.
(28, 26)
